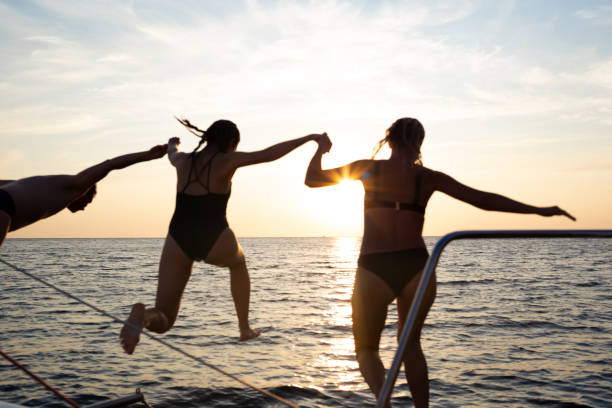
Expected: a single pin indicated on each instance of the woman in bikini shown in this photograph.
(199, 230)
(393, 252)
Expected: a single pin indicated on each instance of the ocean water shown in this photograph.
(516, 323)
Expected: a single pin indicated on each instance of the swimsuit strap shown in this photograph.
(209, 164)
(189, 176)
(196, 177)
(376, 202)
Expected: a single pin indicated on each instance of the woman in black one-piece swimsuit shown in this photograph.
(199, 230)
(393, 252)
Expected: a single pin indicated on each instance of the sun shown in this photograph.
(339, 208)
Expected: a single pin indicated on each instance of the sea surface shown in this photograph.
(516, 323)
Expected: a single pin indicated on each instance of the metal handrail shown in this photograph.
(430, 267)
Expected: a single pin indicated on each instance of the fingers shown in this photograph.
(323, 141)
(568, 215)
(325, 144)
(555, 210)
(560, 211)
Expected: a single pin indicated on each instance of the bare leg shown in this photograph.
(414, 359)
(174, 272)
(227, 252)
(372, 369)
(371, 297)
(240, 285)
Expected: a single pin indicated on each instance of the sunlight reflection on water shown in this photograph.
(515, 323)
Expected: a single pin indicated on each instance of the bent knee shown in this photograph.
(159, 322)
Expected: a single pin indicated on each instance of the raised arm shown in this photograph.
(173, 154)
(317, 177)
(96, 173)
(241, 159)
(490, 201)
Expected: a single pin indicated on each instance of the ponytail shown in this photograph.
(193, 129)
(222, 133)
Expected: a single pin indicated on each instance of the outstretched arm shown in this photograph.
(491, 201)
(241, 159)
(317, 177)
(93, 174)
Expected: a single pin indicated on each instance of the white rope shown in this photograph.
(149, 335)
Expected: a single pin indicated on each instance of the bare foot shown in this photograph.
(129, 335)
(249, 334)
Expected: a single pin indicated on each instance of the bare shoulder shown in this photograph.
(230, 157)
(434, 178)
(178, 158)
(432, 173)
(227, 162)
(356, 170)
(182, 156)
(363, 164)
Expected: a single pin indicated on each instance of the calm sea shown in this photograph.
(516, 323)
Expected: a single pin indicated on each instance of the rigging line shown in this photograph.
(149, 335)
(40, 380)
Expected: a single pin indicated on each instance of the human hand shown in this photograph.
(324, 142)
(158, 151)
(551, 211)
(174, 141)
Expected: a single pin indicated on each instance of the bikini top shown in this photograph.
(376, 202)
(197, 179)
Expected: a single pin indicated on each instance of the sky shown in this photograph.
(515, 97)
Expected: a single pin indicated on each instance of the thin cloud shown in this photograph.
(289, 60)
(599, 15)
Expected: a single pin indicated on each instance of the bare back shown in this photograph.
(394, 228)
(40, 197)
(205, 173)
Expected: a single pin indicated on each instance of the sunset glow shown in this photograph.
(515, 98)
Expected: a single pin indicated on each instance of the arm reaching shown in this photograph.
(93, 174)
(241, 159)
(317, 177)
(491, 201)
(173, 153)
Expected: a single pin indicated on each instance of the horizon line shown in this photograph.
(248, 237)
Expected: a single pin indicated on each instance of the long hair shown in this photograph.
(405, 134)
(222, 133)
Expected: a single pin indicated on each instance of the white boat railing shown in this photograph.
(385, 394)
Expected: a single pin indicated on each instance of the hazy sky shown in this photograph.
(515, 96)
